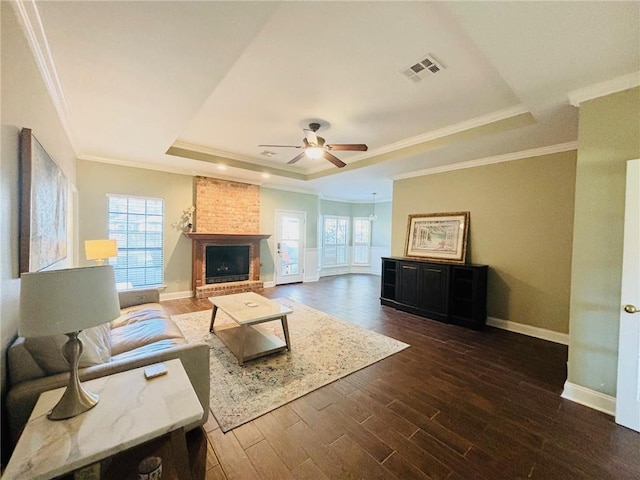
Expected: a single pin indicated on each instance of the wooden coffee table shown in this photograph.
(246, 340)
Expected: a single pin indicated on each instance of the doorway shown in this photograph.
(290, 244)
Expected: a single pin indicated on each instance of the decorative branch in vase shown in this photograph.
(185, 222)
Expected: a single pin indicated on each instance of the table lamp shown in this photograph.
(68, 301)
(98, 250)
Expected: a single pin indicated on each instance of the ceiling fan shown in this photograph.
(315, 147)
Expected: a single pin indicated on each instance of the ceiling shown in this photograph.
(195, 87)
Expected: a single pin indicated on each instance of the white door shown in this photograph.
(290, 235)
(628, 392)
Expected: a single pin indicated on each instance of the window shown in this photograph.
(136, 223)
(334, 241)
(361, 241)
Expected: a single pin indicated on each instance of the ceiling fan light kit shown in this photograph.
(313, 152)
(315, 147)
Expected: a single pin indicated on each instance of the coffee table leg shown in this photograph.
(285, 329)
(243, 338)
(213, 317)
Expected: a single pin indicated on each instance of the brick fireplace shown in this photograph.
(202, 240)
(227, 214)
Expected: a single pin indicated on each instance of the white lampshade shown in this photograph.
(100, 249)
(67, 300)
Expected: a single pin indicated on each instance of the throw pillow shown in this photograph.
(47, 351)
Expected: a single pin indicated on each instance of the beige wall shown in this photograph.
(25, 103)
(521, 226)
(96, 180)
(608, 136)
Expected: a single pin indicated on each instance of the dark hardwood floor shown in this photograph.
(458, 405)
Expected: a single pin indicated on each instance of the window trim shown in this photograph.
(357, 244)
(337, 245)
(112, 234)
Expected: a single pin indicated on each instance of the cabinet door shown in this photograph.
(434, 291)
(407, 291)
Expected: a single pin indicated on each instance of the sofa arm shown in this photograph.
(138, 297)
(22, 398)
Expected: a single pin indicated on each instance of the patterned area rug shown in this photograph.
(323, 349)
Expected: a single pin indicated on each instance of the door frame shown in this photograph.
(628, 387)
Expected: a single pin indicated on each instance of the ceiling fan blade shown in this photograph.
(296, 158)
(312, 138)
(333, 159)
(359, 147)
(284, 146)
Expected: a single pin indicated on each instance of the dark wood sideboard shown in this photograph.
(452, 293)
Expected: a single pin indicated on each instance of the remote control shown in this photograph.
(155, 370)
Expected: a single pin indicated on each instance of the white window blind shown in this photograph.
(361, 241)
(334, 241)
(137, 223)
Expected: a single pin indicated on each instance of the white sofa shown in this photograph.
(142, 335)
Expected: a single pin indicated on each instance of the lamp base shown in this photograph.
(76, 399)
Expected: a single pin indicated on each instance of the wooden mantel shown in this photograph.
(234, 237)
(201, 240)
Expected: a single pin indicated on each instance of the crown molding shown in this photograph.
(476, 122)
(356, 202)
(446, 131)
(288, 188)
(507, 157)
(132, 164)
(224, 155)
(29, 18)
(214, 152)
(167, 169)
(602, 89)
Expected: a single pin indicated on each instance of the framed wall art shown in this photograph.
(438, 236)
(43, 207)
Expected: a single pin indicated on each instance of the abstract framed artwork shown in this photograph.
(438, 236)
(43, 207)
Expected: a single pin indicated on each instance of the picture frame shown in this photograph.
(43, 207)
(438, 236)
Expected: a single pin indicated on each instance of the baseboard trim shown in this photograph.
(272, 283)
(589, 398)
(176, 295)
(528, 330)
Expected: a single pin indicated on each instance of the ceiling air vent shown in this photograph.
(423, 68)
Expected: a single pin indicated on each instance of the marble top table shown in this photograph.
(245, 339)
(131, 411)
